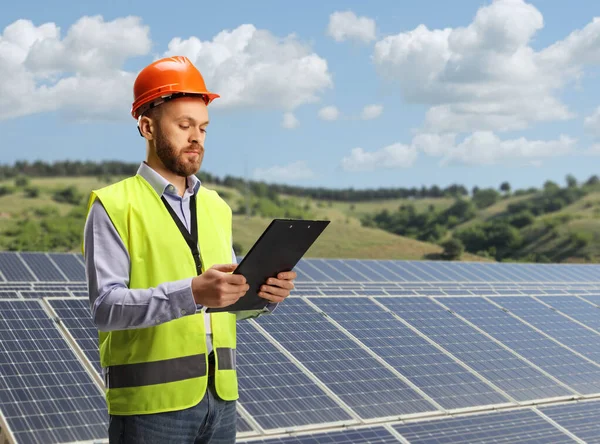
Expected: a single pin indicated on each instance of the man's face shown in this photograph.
(180, 134)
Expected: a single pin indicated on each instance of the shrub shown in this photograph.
(453, 249)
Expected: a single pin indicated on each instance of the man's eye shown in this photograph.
(184, 126)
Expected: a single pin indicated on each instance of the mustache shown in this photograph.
(194, 149)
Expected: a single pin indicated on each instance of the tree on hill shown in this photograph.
(453, 249)
(505, 187)
(571, 181)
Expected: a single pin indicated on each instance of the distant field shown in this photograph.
(360, 208)
(344, 238)
(341, 240)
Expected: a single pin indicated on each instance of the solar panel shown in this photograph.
(13, 268)
(42, 293)
(71, 267)
(576, 308)
(413, 271)
(75, 315)
(556, 360)
(377, 269)
(573, 335)
(276, 392)
(42, 266)
(305, 268)
(46, 395)
(581, 419)
(512, 374)
(434, 372)
(353, 272)
(242, 425)
(302, 372)
(324, 266)
(349, 371)
(521, 426)
(372, 435)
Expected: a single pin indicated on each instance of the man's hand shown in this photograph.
(277, 289)
(217, 287)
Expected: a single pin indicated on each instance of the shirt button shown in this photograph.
(183, 312)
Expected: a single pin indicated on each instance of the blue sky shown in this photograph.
(334, 94)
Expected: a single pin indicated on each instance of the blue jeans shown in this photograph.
(212, 421)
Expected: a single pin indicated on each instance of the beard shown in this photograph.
(176, 160)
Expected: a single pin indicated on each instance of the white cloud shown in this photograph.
(593, 150)
(371, 112)
(486, 148)
(298, 170)
(79, 74)
(592, 122)
(250, 67)
(345, 25)
(478, 148)
(486, 76)
(289, 121)
(329, 113)
(388, 157)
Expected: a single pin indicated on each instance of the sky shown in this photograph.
(335, 94)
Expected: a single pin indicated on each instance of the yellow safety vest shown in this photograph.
(164, 367)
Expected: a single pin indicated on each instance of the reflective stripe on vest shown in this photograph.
(167, 370)
(226, 358)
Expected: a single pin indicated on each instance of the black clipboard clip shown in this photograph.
(279, 248)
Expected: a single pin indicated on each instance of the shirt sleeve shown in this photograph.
(113, 304)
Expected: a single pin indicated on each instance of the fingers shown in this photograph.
(281, 283)
(287, 275)
(224, 267)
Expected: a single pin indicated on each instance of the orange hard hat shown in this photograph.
(166, 79)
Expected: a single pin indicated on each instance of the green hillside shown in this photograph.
(34, 220)
(552, 224)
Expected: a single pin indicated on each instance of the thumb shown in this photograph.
(224, 267)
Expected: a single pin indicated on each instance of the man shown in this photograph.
(158, 252)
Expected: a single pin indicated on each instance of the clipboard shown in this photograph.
(279, 248)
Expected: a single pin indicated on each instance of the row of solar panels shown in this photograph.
(65, 267)
(333, 362)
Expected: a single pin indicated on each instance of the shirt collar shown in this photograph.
(162, 185)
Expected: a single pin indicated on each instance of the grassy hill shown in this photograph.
(552, 224)
(345, 237)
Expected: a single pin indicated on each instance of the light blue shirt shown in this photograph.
(113, 304)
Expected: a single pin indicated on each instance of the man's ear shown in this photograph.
(146, 127)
